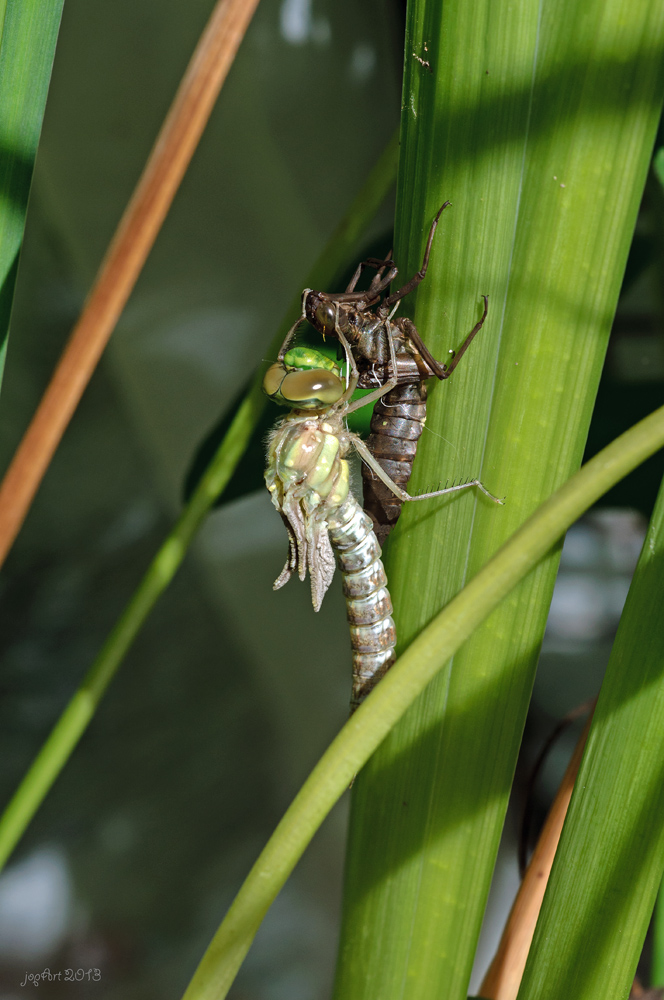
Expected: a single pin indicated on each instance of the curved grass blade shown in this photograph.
(406, 680)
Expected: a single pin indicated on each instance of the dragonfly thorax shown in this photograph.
(306, 460)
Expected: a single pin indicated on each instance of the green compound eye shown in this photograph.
(311, 390)
(274, 376)
(306, 358)
(306, 380)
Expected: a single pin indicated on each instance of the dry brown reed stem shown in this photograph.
(503, 978)
(124, 259)
(637, 992)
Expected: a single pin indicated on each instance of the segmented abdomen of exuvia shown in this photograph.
(368, 604)
(396, 425)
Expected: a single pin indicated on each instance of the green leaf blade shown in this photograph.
(544, 161)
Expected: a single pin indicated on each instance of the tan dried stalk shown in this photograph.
(503, 977)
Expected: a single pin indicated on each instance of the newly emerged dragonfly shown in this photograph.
(308, 479)
(365, 322)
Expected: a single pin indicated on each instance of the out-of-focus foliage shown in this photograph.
(27, 45)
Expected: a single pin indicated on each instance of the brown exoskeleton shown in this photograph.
(363, 323)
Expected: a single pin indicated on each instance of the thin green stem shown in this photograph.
(57, 749)
(72, 723)
(366, 729)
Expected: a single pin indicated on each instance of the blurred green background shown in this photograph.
(232, 691)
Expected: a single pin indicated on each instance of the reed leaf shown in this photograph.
(537, 121)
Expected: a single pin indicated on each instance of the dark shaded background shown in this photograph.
(231, 692)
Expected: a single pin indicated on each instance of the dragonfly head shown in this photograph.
(305, 380)
(321, 313)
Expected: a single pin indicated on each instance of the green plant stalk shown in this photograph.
(29, 31)
(537, 122)
(414, 670)
(77, 715)
(610, 859)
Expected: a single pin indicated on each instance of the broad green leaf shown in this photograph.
(610, 859)
(27, 45)
(537, 122)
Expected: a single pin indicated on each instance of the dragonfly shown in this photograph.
(364, 321)
(307, 476)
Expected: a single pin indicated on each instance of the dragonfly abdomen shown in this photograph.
(368, 604)
(396, 426)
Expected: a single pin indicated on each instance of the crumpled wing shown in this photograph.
(310, 547)
(302, 512)
(281, 499)
(293, 518)
(320, 559)
(293, 514)
(291, 561)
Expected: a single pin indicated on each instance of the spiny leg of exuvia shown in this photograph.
(307, 476)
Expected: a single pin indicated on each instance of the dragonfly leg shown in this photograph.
(438, 369)
(455, 489)
(378, 283)
(415, 280)
(291, 333)
(368, 458)
(353, 375)
(466, 344)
